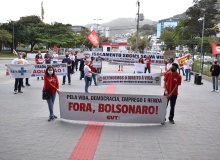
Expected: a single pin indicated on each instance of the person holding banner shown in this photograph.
(215, 69)
(39, 60)
(93, 69)
(148, 62)
(181, 67)
(51, 83)
(69, 63)
(47, 58)
(189, 64)
(88, 75)
(171, 82)
(72, 58)
(99, 59)
(26, 79)
(18, 81)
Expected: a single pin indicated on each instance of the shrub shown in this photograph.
(41, 47)
(36, 48)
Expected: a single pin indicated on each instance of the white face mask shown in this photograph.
(20, 56)
(50, 72)
(39, 55)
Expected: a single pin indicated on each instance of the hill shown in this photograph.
(124, 25)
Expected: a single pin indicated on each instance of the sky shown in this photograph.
(82, 12)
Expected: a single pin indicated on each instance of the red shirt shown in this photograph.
(51, 83)
(148, 60)
(93, 69)
(39, 62)
(172, 81)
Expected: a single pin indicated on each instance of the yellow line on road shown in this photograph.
(7, 82)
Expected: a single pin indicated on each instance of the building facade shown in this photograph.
(104, 31)
(162, 24)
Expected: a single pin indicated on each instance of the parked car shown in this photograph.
(207, 59)
(197, 57)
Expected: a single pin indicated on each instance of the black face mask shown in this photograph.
(173, 70)
(215, 62)
(67, 56)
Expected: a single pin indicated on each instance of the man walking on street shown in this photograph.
(189, 64)
(215, 69)
(149, 61)
(171, 82)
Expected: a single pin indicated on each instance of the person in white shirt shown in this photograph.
(72, 58)
(55, 58)
(181, 67)
(188, 65)
(88, 75)
(18, 81)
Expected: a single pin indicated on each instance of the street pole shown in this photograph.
(202, 53)
(137, 26)
(13, 38)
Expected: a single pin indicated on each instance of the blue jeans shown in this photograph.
(82, 74)
(54, 62)
(94, 78)
(182, 70)
(50, 103)
(68, 75)
(47, 62)
(86, 84)
(188, 73)
(147, 68)
(215, 82)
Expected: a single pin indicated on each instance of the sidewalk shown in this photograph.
(25, 132)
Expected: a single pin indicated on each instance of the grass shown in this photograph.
(8, 54)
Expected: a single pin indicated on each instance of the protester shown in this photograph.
(26, 79)
(169, 64)
(88, 74)
(39, 60)
(81, 68)
(189, 64)
(215, 69)
(69, 64)
(148, 63)
(47, 58)
(72, 58)
(55, 58)
(93, 69)
(99, 59)
(39, 52)
(76, 61)
(181, 67)
(121, 67)
(51, 83)
(171, 82)
(18, 81)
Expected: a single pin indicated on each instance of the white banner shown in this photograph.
(112, 107)
(111, 62)
(139, 67)
(60, 69)
(157, 59)
(129, 79)
(97, 64)
(20, 71)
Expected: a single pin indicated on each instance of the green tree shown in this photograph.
(168, 38)
(142, 43)
(5, 38)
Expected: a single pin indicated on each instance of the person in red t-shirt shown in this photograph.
(171, 82)
(93, 69)
(39, 60)
(51, 83)
(149, 61)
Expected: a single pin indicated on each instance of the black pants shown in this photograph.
(172, 105)
(26, 81)
(18, 84)
(72, 67)
(99, 70)
(76, 64)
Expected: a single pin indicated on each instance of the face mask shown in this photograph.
(50, 72)
(67, 56)
(20, 56)
(215, 62)
(39, 55)
(169, 61)
(173, 70)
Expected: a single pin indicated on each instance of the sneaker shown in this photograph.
(28, 85)
(188, 80)
(63, 84)
(50, 118)
(119, 70)
(15, 92)
(54, 116)
(23, 86)
(69, 83)
(183, 74)
(212, 90)
(185, 80)
(96, 84)
(20, 92)
(172, 121)
(216, 91)
(122, 70)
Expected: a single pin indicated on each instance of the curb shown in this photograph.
(206, 77)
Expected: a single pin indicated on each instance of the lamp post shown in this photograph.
(202, 53)
(138, 3)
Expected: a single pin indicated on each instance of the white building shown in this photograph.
(110, 46)
(104, 31)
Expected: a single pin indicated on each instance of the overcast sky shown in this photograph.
(82, 12)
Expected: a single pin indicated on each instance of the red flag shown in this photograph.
(93, 37)
(55, 48)
(215, 49)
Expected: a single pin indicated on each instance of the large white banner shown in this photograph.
(139, 67)
(157, 59)
(112, 107)
(20, 71)
(129, 79)
(60, 69)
